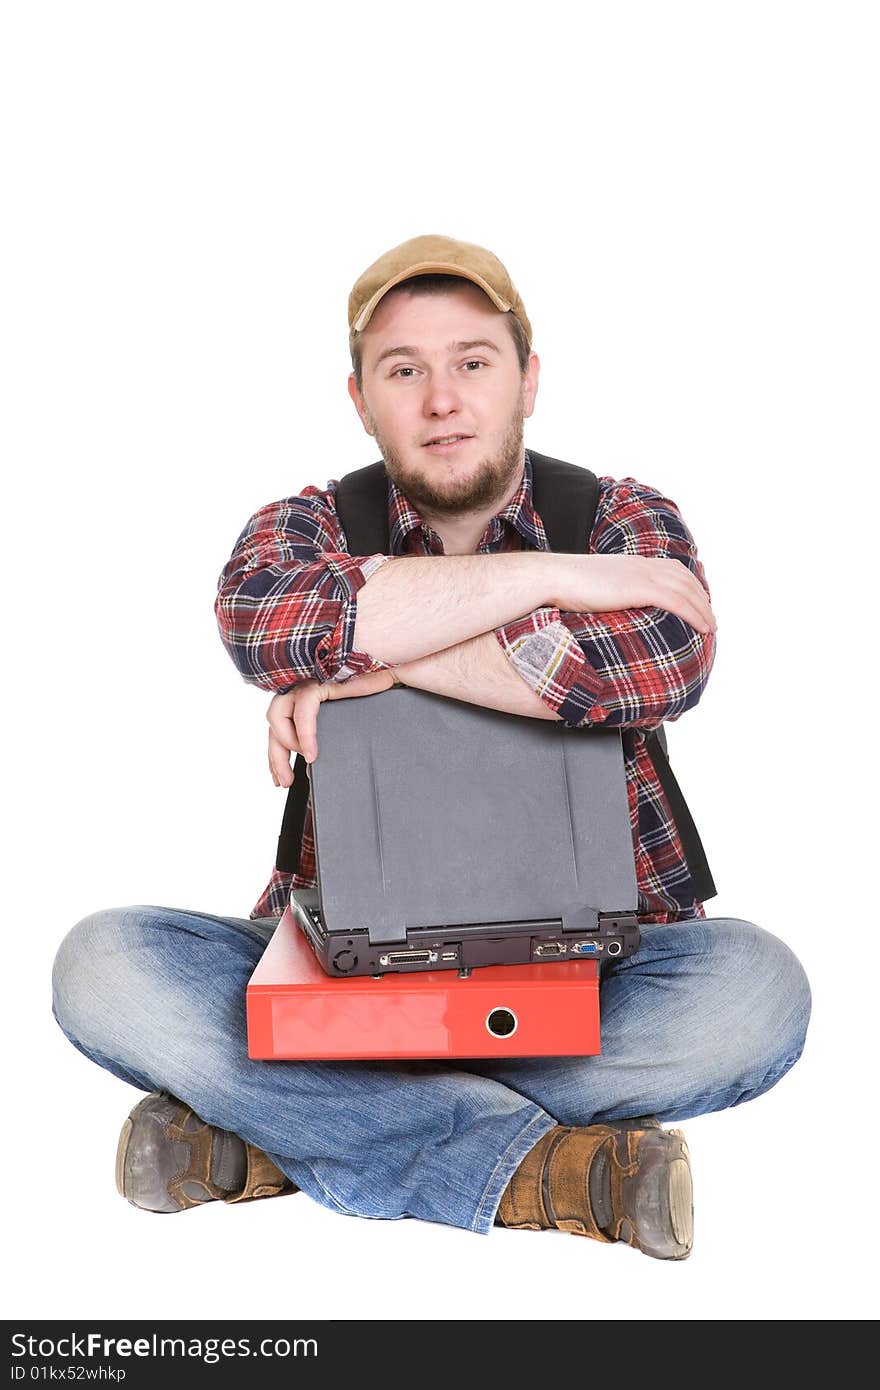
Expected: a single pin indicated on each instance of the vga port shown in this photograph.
(586, 948)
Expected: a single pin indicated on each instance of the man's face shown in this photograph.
(444, 367)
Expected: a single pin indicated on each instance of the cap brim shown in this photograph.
(427, 268)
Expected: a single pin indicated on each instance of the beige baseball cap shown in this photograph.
(433, 255)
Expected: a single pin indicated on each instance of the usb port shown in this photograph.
(449, 955)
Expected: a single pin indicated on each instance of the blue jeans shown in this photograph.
(705, 1015)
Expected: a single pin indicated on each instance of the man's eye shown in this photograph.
(472, 362)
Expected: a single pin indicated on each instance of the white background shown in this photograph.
(686, 197)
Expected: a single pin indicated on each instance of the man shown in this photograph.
(471, 604)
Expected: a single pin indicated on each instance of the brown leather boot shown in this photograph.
(168, 1159)
(628, 1180)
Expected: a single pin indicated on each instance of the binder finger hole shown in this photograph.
(501, 1022)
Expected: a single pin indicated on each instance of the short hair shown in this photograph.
(442, 284)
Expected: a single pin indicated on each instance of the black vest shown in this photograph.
(565, 496)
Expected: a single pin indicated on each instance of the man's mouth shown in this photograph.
(441, 443)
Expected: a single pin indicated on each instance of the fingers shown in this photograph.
(706, 621)
(305, 718)
(296, 734)
(293, 722)
(689, 599)
(279, 763)
(280, 717)
(293, 718)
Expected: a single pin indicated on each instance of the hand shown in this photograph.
(293, 718)
(602, 583)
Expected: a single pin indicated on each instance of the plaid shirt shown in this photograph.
(287, 602)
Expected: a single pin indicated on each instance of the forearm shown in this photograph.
(414, 606)
(287, 596)
(639, 664)
(478, 672)
(635, 667)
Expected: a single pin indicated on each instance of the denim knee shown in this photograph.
(81, 969)
(704, 1016)
(765, 1023)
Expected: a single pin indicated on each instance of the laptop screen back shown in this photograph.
(431, 811)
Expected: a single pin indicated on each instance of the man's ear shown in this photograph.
(358, 402)
(530, 383)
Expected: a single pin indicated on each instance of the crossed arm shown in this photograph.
(623, 635)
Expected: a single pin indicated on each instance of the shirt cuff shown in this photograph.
(336, 657)
(549, 659)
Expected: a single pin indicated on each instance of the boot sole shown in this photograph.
(133, 1133)
(681, 1200)
(661, 1200)
(121, 1152)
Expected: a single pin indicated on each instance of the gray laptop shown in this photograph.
(450, 836)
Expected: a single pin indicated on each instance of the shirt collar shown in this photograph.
(519, 513)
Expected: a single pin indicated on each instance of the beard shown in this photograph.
(489, 481)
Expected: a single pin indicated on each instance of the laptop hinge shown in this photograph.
(580, 917)
(584, 920)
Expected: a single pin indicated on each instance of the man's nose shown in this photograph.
(441, 395)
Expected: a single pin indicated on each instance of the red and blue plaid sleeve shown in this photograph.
(286, 600)
(632, 667)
